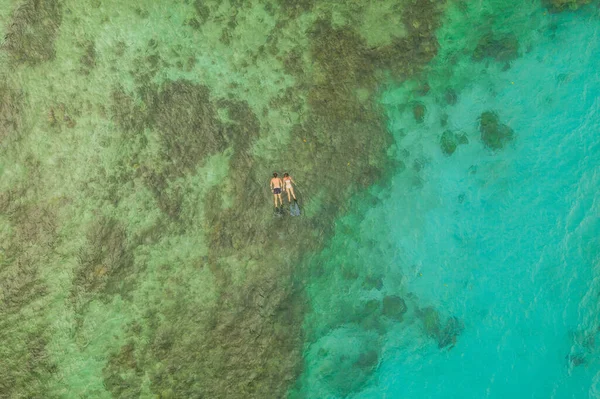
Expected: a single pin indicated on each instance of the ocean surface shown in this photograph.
(445, 156)
(506, 241)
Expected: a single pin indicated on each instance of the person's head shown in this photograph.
(275, 174)
(285, 175)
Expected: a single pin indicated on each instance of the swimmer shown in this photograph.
(287, 180)
(275, 185)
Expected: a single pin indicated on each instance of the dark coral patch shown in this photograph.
(88, 59)
(106, 263)
(565, 5)
(31, 34)
(450, 141)
(494, 134)
(126, 112)
(449, 334)
(11, 118)
(25, 365)
(394, 307)
(202, 10)
(294, 8)
(188, 125)
(419, 111)
(122, 373)
(450, 96)
(500, 48)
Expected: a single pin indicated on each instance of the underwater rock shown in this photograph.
(373, 282)
(448, 142)
(444, 120)
(394, 307)
(446, 336)
(576, 360)
(501, 49)
(584, 339)
(462, 138)
(450, 96)
(453, 328)
(565, 5)
(419, 164)
(493, 133)
(419, 112)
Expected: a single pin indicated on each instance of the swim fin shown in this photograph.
(294, 209)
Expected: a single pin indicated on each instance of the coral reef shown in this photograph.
(105, 263)
(494, 134)
(186, 120)
(394, 307)
(453, 328)
(450, 96)
(419, 112)
(32, 31)
(346, 360)
(122, 364)
(11, 119)
(565, 5)
(202, 10)
(451, 140)
(126, 113)
(446, 333)
(503, 48)
(88, 59)
(158, 130)
(28, 233)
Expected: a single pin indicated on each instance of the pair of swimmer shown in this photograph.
(277, 185)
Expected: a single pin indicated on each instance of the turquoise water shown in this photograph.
(505, 241)
(518, 260)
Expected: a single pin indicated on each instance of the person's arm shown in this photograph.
(271, 184)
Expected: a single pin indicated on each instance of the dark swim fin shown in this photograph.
(294, 209)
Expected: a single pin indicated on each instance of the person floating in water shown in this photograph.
(289, 184)
(275, 185)
(287, 180)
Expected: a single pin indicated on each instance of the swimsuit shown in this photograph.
(277, 190)
(288, 182)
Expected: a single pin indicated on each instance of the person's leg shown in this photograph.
(280, 200)
(288, 194)
(275, 199)
(293, 194)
